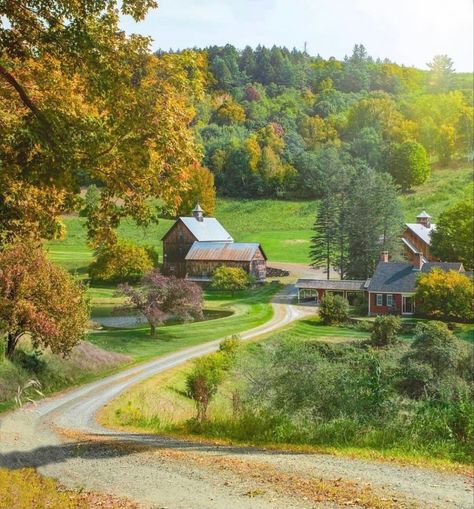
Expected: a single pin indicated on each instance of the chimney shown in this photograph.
(198, 213)
(384, 256)
(418, 261)
(424, 218)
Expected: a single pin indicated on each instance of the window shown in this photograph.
(390, 300)
(379, 299)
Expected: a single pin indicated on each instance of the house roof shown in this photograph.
(207, 229)
(223, 251)
(331, 284)
(399, 277)
(421, 231)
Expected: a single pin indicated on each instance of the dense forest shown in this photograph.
(280, 123)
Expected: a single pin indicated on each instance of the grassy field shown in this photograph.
(125, 346)
(250, 309)
(282, 227)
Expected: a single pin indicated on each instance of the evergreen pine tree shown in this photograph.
(323, 250)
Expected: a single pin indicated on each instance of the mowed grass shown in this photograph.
(250, 309)
(284, 228)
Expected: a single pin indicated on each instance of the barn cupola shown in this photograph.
(198, 213)
(424, 218)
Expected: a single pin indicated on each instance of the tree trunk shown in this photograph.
(152, 330)
(12, 340)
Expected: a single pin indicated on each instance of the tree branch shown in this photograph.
(9, 78)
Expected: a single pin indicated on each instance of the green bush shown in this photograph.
(437, 346)
(361, 305)
(203, 381)
(386, 328)
(230, 279)
(415, 378)
(333, 309)
(229, 348)
(122, 262)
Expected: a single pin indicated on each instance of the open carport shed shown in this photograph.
(315, 289)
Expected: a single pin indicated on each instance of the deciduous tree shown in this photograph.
(78, 97)
(39, 299)
(452, 239)
(158, 296)
(445, 295)
(408, 164)
(200, 190)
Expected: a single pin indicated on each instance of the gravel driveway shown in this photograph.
(61, 438)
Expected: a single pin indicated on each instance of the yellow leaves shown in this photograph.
(315, 131)
(120, 116)
(230, 113)
(448, 295)
(254, 151)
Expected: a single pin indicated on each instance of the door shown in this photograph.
(407, 305)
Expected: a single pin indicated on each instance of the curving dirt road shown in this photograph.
(61, 438)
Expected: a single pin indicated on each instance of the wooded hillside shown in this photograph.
(279, 123)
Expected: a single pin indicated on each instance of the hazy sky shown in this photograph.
(409, 32)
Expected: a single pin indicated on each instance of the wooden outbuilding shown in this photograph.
(179, 239)
(205, 257)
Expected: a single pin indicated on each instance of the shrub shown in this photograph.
(361, 305)
(121, 262)
(203, 381)
(437, 346)
(333, 309)
(230, 279)
(415, 377)
(385, 330)
(230, 346)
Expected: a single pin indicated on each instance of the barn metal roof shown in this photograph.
(422, 231)
(331, 284)
(223, 251)
(208, 229)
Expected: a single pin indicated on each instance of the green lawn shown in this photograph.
(251, 309)
(282, 227)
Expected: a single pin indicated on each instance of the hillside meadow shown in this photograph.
(282, 227)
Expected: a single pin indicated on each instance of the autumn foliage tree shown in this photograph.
(81, 100)
(158, 297)
(200, 190)
(445, 295)
(39, 299)
(120, 262)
